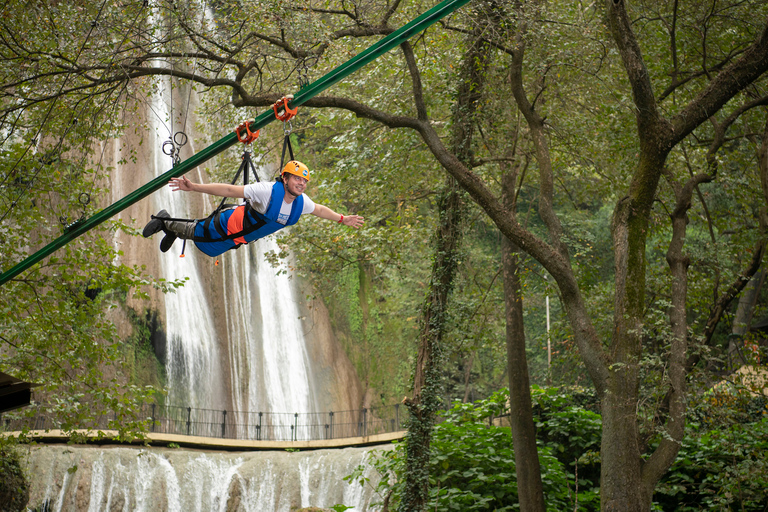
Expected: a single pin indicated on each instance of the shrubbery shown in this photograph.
(472, 467)
(14, 489)
(723, 463)
(721, 466)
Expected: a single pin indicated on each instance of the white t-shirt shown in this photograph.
(259, 194)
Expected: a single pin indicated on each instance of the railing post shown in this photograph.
(296, 425)
(326, 431)
(293, 432)
(189, 419)
(258, 428)
(397, 416)
(152, 416)
(365, 422)
(223, 423)
(330, 414)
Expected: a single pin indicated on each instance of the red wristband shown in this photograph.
(341, 219)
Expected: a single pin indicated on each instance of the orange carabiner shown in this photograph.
(288, 113)
(249, 136)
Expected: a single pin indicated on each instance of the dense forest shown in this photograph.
(565, 195)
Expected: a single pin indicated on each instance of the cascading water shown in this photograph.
(76, 478)
(286, 366)
(268, 368)
(193, 364)
(268, 328)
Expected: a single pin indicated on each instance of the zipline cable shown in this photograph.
(374, 51)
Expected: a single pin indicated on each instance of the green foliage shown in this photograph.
(724, 468)
(472, 466)
(372, 280)
(58, 317)
(14, 488)
(142, 364)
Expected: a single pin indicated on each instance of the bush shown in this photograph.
(14, 488)
(567, 424)
(724, 468)
(472, 465)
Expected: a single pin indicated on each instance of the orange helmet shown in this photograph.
(297, 168)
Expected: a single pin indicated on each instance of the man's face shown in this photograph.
(295, 184)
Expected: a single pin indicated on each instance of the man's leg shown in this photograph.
(155, 225)
(184, 229)
(177, 229)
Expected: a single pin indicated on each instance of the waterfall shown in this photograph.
(255, 358)
(269, 364)
(193, 364)
(285, 372)
(74, 478)
(285, 355)
(234, 340)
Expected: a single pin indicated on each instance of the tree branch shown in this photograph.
(729, 82)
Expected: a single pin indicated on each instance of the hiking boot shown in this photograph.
(167, 242)
(155, 225)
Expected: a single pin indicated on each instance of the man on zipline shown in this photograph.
(268, 208)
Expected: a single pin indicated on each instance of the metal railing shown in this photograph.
(241, 425)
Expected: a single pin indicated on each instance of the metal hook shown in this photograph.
(169, 148)
(180, 138)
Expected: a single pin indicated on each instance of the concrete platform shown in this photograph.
(209, 443)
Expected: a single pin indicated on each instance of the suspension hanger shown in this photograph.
(285, 114)
(172, 146)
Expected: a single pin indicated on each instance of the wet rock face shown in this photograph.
(145, 479)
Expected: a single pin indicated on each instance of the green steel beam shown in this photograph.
(373, 52)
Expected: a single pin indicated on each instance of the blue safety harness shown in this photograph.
(214, 238)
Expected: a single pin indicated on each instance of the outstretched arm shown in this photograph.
(214, 189)
(353, 221)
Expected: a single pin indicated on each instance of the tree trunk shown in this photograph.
(427, 396)
(527, 467)
(621, 485)
(427, 380)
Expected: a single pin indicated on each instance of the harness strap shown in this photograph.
(246, 166)
(248, 226)
(286, 144)
(172, 218)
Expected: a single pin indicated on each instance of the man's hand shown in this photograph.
(181, 184)
(353, 221)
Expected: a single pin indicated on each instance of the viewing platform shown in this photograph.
(107, 437)
(165, 425)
